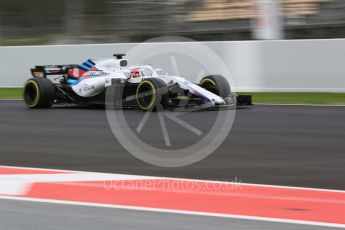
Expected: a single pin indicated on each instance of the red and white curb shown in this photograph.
(319, 207)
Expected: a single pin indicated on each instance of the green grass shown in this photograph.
(23, 42)
(11, 93)
(299, 98)
(274, 98)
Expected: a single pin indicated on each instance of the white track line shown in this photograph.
(19, 184)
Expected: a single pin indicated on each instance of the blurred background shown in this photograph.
(37, 22)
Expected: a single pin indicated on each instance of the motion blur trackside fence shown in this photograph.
(104, 21)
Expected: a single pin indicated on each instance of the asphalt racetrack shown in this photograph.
(280, 145)
(27, 215)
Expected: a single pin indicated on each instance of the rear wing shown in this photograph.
(43, 71)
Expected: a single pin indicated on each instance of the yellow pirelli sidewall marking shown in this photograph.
(207, 80)
(37, 97)
(153, 93)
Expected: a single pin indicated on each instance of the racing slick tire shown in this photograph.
(150, 94)
(216, 84)
(39, 93)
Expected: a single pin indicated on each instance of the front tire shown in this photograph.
(150, 93)
(216, 84)
(39, 93)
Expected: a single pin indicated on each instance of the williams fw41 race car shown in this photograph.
(141, 87)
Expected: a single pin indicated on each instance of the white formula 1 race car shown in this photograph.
(140, 87)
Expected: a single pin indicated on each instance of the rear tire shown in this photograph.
(39, 93)
(150, 93)
(216, 84)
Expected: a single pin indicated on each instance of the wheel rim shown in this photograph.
(31, 94)
(146, 95)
